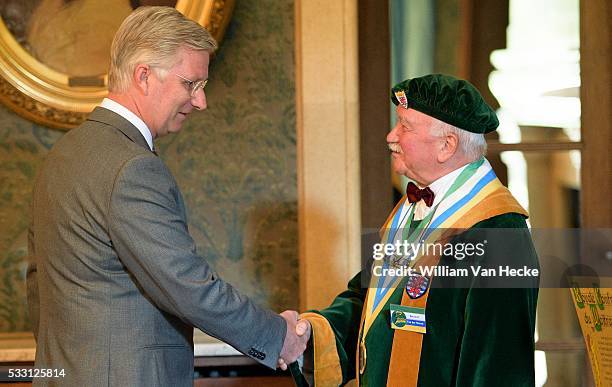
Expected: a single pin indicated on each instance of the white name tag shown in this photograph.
(408, 318)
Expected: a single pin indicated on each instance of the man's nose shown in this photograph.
(198, 100)
(392, 135)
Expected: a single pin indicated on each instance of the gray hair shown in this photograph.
(472, 145)
(153, 35)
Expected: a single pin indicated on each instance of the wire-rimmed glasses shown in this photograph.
(193, 85)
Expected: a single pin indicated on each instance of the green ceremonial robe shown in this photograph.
(475, 336)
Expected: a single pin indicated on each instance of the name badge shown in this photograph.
(408, 318)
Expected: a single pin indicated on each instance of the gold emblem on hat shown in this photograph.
(401, 98)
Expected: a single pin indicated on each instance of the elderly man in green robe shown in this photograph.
(430, 325)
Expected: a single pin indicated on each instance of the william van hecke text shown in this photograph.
(445, 271)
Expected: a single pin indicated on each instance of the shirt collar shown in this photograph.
(124, 112)
(440, 187)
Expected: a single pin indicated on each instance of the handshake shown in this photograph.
(298, 334)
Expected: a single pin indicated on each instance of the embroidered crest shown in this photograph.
(401, 98)
(416, 286)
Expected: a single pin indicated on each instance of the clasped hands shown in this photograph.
(296, 339)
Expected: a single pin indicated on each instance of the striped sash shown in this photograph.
(461, 207)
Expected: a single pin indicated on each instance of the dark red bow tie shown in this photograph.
(415, 194)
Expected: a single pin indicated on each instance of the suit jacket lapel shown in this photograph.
(113, 119)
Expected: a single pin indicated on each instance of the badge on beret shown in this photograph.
(401, 98)
(416, 286)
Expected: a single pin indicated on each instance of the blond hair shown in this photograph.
(153, 35)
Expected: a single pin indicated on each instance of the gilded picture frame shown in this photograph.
(57, 99)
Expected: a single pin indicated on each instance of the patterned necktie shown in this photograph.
(415, 194)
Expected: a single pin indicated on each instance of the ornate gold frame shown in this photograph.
(43, 95)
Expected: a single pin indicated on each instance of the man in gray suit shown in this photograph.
(115, 285)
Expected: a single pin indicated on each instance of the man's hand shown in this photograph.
(298, 334)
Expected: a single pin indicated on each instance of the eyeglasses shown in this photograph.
(194, 86)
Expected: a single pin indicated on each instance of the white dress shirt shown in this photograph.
(128, 115)
(439, 188)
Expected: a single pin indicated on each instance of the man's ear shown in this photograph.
(448, 148)
(141, 78)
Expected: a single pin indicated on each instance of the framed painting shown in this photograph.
(54, 54)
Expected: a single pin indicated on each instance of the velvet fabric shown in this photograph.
(475, 336)
(454, 101)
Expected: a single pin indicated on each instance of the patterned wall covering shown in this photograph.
(22, 148)
(235, 163)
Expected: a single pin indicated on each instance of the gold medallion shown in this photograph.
(362, 357)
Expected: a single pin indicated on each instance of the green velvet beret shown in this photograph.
(454, 101)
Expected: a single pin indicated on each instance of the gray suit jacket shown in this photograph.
(115, 285)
